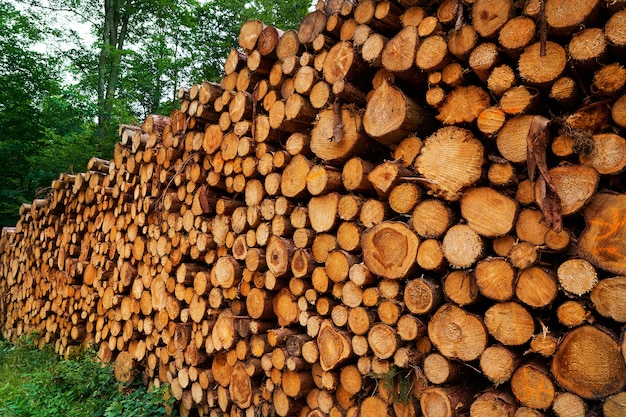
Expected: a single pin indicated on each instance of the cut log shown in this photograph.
(577, 367)
(240, 386)
(391, 116)
(334, 347)
(463, 105)
(460, 287)
(312, 25)
(498, 363)
(536, 287)
(399, 53)
(462, 41)
(607, 155)
(431, 218)
(575, 186)
(124, 367)
(457, 334)
(494, 403)
(432, 53)
(440, 370)
(285, 307)
(614, 405)
(495, 278)
(462, 246)
(608, 297)
(464, 156)
(489, 16)
(601, 243)
(563, 19)
(488, 212)
(422, 295)
(516, 34)
(577, 276)
(390, 249)
(323, 212)
(509, 323)
(445, 401)
(532, 386)
(278, 255)
(540, 69)
(338, 134)
(344, 63)
(383, 340)
(293, 178)
(249, 34)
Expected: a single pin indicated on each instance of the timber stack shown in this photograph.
(403, 208)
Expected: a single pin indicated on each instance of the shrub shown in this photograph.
(38, 383)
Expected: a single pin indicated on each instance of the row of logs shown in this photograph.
(399, 209)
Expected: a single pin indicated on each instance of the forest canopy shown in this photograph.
(64, 89)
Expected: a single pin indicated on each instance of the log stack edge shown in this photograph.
(403, 208)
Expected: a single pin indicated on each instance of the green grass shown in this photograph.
(36, 383)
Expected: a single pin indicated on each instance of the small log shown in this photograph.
(532, 386)
(399, 53)
(249, 34)
(389, 249)
(338, 134)
(564, 20)
(457, 334)
(509, 323)
(489, 16)
(445, 401)
(536, 287)
(488, 212)
(608, 298)
(464, 165)
(495, 278)
(460, 287)
(334, 346)
(422, 295)
(601, 240)
(462, 246)
(344, 63)
(493, 403)
(391, 116)
(383, 340)
(539, 69)
(498, 363)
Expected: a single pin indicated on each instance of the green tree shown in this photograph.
(26, 78)
(147, 49)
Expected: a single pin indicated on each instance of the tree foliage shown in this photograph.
(35, 111)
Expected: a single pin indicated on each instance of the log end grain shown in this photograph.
(464, 161)
(462, 246)
(334, 347)
(457, 334)
(488, 212)
(390, 249)
(588, 363)
(601, 242)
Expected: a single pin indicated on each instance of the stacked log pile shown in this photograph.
(403, 208)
